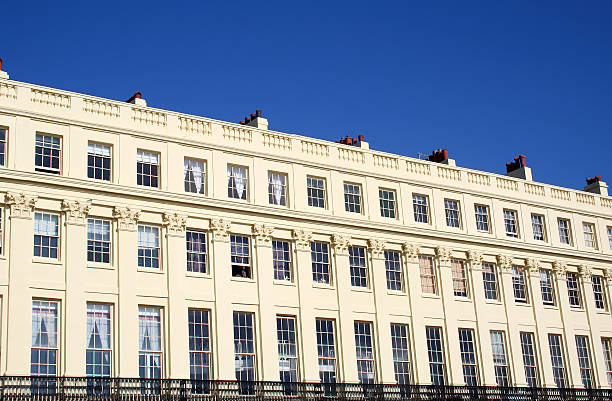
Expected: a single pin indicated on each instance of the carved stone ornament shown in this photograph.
(21, 204)
(607, 273)
(302, 239)
(127, 218)
(410, 250)
(560, 268)
(443, 254)
(341, 243)
(377, 248)
(474, 257)
(533, 265)
(175, 223)
(505, 262)
(220, 229)
(585, 271)
(263, 234)
(76, 211)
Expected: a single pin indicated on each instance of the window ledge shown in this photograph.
(150, 270)
(522, 304)
(602, 312)
(323, 286)
(105, 266)
(47, 261)
(396, 293)
(361, 289)
(551, 307)
(576, 309)
(243, 279)
(432, 296)
(463, 299)
(287, 283)
(198, 275)
(493, 302)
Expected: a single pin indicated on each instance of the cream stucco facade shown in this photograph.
(125, 128)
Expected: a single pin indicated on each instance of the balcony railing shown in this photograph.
(88, 388)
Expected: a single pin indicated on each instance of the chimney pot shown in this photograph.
(241, 122)
(137, 95)
(247, 120)
(0, 64)
(258, 112)
(360, 138)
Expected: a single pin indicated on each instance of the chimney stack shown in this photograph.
(255, 120)
(3, 74)
(596, 186)
(518, 169)
(441, 156)
(137, 99)
(357, 142)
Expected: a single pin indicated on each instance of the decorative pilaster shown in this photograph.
(505, 263)
(263, 234)
(340, 243)
(220, 229)
(475, 258)
(586, 272)
(127, 218)
(560, 269)
(20, 204)
(443, 254)
(608, 274)
(175, 223)
(302, 239)
(533, 267)
(76, 211)
(377, 248)
(410, 250)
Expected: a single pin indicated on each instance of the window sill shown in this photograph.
(323, 286)
(243, 280)
(493, 302)
(361, 289)
(396, 293)
(523, 304)
(105, 266)
(602, 312)
(287, 283)
(197, 275)
(463, 299)
(150, 270)
(551, 307)
(431, 296)
(278, 206)
(47, 261)
(576, 309)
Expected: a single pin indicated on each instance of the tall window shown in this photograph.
(435, 352)
(352, 198)
(364, 349)
(451, 210)
(610, 236)
(241, 256)
(197, 256)
(287, 349)
(468, 357)
(244, 346)
(150, 358)
(584, 361)
(99, 345)
(428, 275)
(357, 262)
(45, 345)
(573, 290)
(529, 359)
(489, 278)
(281, 259)
(589, 235)
(98, 161)
(557, 359)
(147, 169)
(482, 217)
(199, 346)
(237, 182)
(3, 135)
(98, 240)
(326, 348)
(518, 284)
(401, 353)
(547, 287)
(599, 292)
(500, 362)
(48, 153)
(564, 231)
(316, 191)
(606, 345)
(195, 176)
(387, 202)
(511, 223)
(148, 246)
(46, 235)
(319, 254)
(393, 267)
(460, 283)
(277, 189)
(420, 206)
(537, 225)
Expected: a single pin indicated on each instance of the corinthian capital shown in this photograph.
(443, 254)
(533, 265)
(175, 223)
(377, 248)
(76, 211)
(21, 205)
(263, 234)
(505, 262)
(302, 239)
(585, 271)
(474, 257)
(126, 217)
(410, 250)
(560, 268)
(220, 229)
(340, 243)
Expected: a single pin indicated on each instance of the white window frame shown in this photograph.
(511, 224)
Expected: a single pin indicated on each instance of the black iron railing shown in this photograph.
(86, 388)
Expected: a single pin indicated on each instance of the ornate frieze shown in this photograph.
(20, 204)
(220, 229)
(340, 243)
(302, 239)
(377, 248)
(175, 223)
(127, 218)
(76, 211)
(263, 234)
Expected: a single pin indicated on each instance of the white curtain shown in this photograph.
(186, 164)
(196, 168)
(104, 331)
(240, 180)
(44, 331)
(278, 187)
(142, 334)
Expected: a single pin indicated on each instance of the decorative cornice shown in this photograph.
(474, 257)
(126, 217)
(505, 262)
(302, 239)
(443, 254)
(263, 234)
(410, 250)
(340, 243)
(21, 205)
(560, 269)
(175, 223)
(377, 248)
(220, 229)
(585, 271)
(533, 265)
(76, 211)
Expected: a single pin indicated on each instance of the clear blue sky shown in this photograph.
(487, 80)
